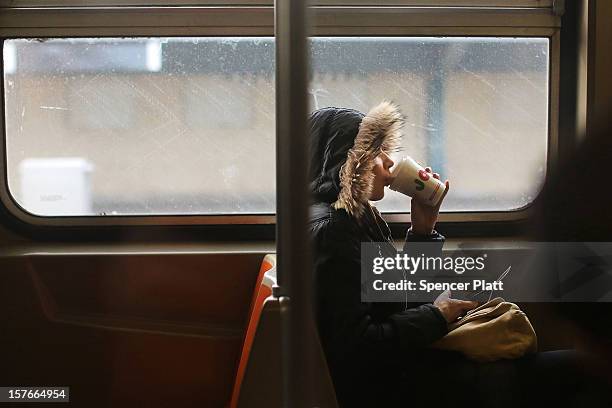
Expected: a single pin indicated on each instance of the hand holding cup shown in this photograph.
(413, 180)
(427, 192)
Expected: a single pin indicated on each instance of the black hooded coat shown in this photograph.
(377, 352)
(363, 342)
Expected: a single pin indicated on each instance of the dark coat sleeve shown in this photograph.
(430, 244)
(349, 326)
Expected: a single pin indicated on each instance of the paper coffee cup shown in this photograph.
(411, 179)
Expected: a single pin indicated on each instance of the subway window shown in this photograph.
(141, 126)
(185, 125)
(476, 108)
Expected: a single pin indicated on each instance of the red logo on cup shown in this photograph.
(423, 175)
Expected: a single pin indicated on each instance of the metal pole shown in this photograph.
(292, 202)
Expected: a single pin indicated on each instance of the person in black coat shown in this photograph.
(350, 165)
(378, 353)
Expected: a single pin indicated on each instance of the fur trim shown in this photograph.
(379, 130)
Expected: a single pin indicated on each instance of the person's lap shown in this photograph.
(437, 378)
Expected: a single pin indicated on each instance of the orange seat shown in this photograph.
(259, 377)
(263, 288)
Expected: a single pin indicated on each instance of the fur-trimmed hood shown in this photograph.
(344, 144)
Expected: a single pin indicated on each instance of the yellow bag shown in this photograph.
(492, 331)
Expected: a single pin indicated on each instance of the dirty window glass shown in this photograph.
(476, 109)
(186, 125)
(141, 126)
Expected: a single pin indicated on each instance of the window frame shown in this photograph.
(36, 22)
(221, 3)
